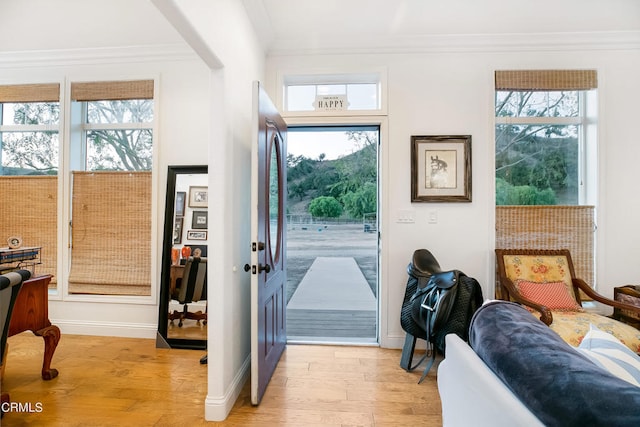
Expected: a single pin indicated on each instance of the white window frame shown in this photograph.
(35, 128)
(73, 127)
(587, 143)
(332, 77)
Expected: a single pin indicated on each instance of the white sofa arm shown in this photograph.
(472, 395)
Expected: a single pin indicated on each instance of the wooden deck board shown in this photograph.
(331, 323)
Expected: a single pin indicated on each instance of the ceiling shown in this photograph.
(297, 26)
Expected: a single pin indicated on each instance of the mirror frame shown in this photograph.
(167, 243)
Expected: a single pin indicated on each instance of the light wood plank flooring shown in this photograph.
(107, 381)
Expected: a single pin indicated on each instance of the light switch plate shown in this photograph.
(406, 217)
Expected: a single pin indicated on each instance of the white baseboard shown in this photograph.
(218, 408)
(107, 329)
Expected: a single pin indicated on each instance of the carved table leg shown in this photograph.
(51, 335)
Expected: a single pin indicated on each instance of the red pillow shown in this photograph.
(554, 295)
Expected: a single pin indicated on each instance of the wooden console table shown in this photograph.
(31, 313)
(631, 295)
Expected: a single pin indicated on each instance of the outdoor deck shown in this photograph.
(332, 303)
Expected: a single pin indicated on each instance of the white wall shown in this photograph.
(93, 40)
(449, 91)
(204, 56)
(221, 33)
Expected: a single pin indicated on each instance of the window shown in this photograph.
(29, 164)
(29, 129)
(543, 139)
(546, 156)
(111, 162)
(349, 92)
(116, 122)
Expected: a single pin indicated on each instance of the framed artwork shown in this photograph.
(441, 168)
(199, 221)
(198, 197)
(181, 197)
(196, 235)
(177, 231)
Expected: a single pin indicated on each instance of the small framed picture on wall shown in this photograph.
(199, 221)
(177, 231)
(181, 198)
(198, 197)
(196, 235)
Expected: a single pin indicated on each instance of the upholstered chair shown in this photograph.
(544, 281)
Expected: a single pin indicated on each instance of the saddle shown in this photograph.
(436, 303)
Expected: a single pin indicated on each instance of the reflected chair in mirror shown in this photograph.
(192, 287)
(10, 284)
(544, 281)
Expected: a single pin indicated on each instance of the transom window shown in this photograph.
(321, 93)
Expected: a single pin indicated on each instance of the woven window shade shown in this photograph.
(47, 92)
(29, 209)
(111, 233)
(112, 91)
(550, 227)
(526, 80)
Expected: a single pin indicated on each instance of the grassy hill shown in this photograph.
(345, 179)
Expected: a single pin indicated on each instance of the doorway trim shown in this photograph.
(383, 210)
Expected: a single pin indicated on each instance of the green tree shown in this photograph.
(544, 156)
(31, 152)
(121, 148)
(358, 168)
(361, 201)
(325, 207)
(507, 194)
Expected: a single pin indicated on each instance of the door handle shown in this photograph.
(261, 268)
(257, 246)
(266, 268)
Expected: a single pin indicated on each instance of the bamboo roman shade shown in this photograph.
(530, 80)
(45, 92)
(111, 233)
(550, 227)
(112, 91)
(29, 209)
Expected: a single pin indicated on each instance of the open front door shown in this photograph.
(268, 271)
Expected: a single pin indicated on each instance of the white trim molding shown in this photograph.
(218, 408)
(460, 43)
(108, 55)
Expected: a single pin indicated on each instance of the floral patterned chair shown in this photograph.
(544, 281)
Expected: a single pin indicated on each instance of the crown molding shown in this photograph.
(458, 43)
(96, 56)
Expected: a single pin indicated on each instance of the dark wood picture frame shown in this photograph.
(441, 168)
(177, 231)
(200, 220)
(181, 199)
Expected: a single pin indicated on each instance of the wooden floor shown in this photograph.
(107, 381)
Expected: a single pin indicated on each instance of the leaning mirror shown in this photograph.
(182, 321)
